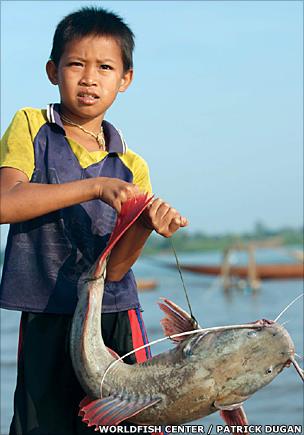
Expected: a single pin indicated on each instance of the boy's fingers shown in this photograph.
(156, 211)
(164, 212)
(155, 204)
(165, 216)
(184, 221)
(134, 190)
(116, 204)
(176, 223)
(161, 207)
(178, 219)
(127, 192)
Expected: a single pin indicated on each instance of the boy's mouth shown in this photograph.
(87, 98)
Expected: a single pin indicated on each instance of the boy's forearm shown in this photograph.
(21, 200)
(127, 250)
(30, 200)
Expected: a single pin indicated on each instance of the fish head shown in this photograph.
(241, 361)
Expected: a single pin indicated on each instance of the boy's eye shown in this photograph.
(105, 67)
(75, 64)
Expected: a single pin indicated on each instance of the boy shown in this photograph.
(64, 175)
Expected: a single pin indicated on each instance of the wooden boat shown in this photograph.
(146, 284)
(263, 271)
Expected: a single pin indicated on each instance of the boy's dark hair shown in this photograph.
(93, 21)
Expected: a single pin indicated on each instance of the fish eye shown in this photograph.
(269, 371)
(251, 334)
(188, 351)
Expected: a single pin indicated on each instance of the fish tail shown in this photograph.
(130, 211)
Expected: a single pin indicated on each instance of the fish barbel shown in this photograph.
(215, 369)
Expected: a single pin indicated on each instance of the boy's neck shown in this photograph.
(82, 139)
(92, 124)
(79, 129)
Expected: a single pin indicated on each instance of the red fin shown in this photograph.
(113, 353)
(85, 401)
(111, 410)
(235, 417)
(177, 320)
(130, 211)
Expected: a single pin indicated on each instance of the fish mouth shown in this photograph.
(288, 363)
(264, 322)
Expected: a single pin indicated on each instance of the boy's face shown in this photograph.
(89, 76)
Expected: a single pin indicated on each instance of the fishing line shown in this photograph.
(288, 306)
(182, 279)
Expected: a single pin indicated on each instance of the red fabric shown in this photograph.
(137, 336)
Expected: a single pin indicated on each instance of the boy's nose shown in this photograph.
(88, 78)
(87, 81)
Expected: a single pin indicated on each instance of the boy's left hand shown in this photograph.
(162, 218)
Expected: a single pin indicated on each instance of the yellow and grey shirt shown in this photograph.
(46, 257)
(17, 146)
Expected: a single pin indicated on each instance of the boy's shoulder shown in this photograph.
(132, 159)
(17, 142)
(28, 118)
(139, 169)
(24, 126)
(32, 114)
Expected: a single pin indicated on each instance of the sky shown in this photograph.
(216, 105)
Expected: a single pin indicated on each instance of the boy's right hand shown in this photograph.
(115, 192)
(21, 200)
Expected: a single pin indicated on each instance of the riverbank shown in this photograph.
(185, 241)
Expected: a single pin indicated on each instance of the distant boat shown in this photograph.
(146, 284)
(263, 271)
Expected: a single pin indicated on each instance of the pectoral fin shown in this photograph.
(113, 353)
(231, 407)
(112, 410)
(235, 417)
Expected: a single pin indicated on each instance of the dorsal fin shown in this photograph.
(176, 320)
(130, 211)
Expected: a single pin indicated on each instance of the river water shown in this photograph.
(280, 403)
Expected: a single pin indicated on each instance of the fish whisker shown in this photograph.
(288, 306)
(284, 323)
(298, 368)
(299, 356)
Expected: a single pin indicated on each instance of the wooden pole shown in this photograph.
(225, 269)
(253, 278)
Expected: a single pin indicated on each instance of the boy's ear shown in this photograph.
(126, 80)
(51, 71)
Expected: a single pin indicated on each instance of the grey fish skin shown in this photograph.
(202, 374)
